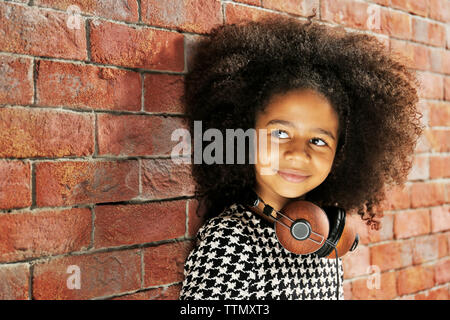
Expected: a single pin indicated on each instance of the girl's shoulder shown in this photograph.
(233, 219)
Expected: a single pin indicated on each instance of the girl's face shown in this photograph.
(304, 127)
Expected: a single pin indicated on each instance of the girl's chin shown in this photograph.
(289, 194)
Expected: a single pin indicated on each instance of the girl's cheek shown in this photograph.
(268, 150)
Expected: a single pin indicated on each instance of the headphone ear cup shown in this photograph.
(307, 213)
(348, 241)
(342, 235)
(336, 219)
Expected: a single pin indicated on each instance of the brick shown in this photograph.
(420, 168)
(356, 263)
(397, 197)
(391, 255)
(443, 245)
(433, 294)
(34, 31)
(163, 293)
(33, 234)
(141, 223)
(240, 14)
(162, 178)
(447, 36)
(424, 144)
(424, 58)
(139, 135)
(87, 87)
(427, 194)
(414, 56)
(301, 8)
(163, 92)
(437, 34)
(445, 57)
(439, 140)
(420, 30)
(448, 240)
(15, 184)
(197, 16)
(76, 182)
(28, 133)
(447, 191)
(414, 279)
(347, 290)
(366, 288)
(411, 223)
(165, 263)
(438, 10)
(437, 58)
(396, 24)
(432, 86)
(116, 10)
(440, 219)
(427, 32)
(101, 274)
(136, 47)
(386, 231)
(425, 249)
(350, 13)
(14, 282)
(16, 82)
(447, 87)
(439, 113)
(442, 271)
(368, 235)
(414, 7)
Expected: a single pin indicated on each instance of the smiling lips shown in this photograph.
(292, 176)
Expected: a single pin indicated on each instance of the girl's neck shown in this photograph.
(274, 200)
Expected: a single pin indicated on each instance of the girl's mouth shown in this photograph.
(292, 177)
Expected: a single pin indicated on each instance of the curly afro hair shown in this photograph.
(237, 68)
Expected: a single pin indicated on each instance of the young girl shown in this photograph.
(342, 112)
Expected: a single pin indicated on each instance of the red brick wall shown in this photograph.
(87, 106)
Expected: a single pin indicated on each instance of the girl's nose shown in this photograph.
(297, 152)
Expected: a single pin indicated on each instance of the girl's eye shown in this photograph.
(279, 134)
(324, 143)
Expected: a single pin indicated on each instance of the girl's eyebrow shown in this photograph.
(290, 124)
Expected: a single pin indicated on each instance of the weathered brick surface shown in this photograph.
(132, 135)
(34, 133)
(117, 225)
(101, 274)
(14, 282)
(39, 32)
(87, 87)
(45, 233)
(197, 16)
(15, 185)
(142, 47)
(16, 82)
(83, 182)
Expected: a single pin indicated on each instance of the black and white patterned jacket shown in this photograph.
(237, 256)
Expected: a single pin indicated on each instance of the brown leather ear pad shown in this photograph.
(318, 222)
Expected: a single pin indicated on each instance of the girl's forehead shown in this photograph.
(304, 107)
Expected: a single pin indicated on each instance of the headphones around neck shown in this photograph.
(303, 227)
